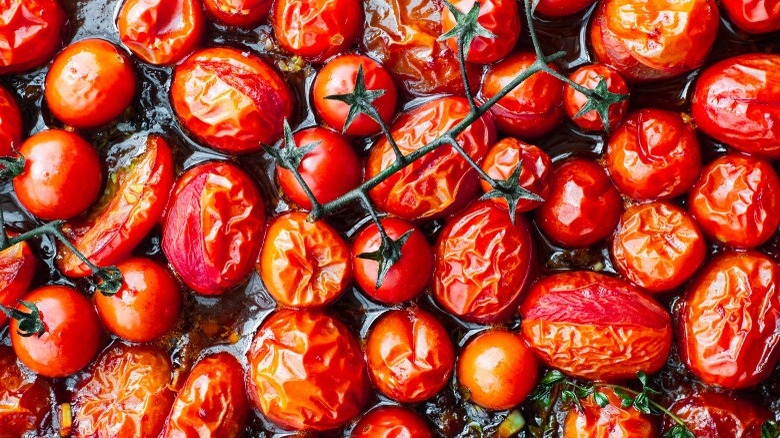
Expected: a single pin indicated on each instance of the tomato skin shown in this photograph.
(731, 103)
(714, 340)
(31, 32)
(535, 175)
(440, 182)
(483, 264)
(613, 420)
(409, 354)
(10, 124)
(562, 8)
(754, 17)
(714, 415)
(590, 76)
(230, 102)
(17, 270)
(241, 13)
(499, 17)
(302, 263)
(736, 199)
(25, 399)
(133, 202)
(567, 324)
(391, 422)
(306, 371)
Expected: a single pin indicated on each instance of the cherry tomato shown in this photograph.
(562, 8)
(754, 16)
(714, 415)
(125, 394)
(90, 83)
(72, 332)
(530, 110)
(31, 32)
(733, 103)
(306, 371)
(613, 420)
(729, 318)
(654, 154)
(161, 31)
(230, 100)
(241, 13)
(647, 40)
(302, 263)
(499, 17)
(25, 399)
(330, 170)
(338, 76)
(657, 246)
(62, 175)
(10, 124)
(437, 183)
(497, 369)
(17, 270)
(213, 227)
(391, 422)
(483, 264)
(212, 401)
(583, 206)
(409, 354)
(736, 199)
(595, 327)
(590, 76)
(535, 174)
(407, 277)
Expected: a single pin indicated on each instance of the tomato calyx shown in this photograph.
(11, 167)
(29, 323)
(600, 100)
(511, 191)
(360, 100)
(289, 157)
(388, 254)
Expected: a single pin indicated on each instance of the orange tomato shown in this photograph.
(31, 32)
(316, 29)
(25, 399)
(535, 176)
(610, 421)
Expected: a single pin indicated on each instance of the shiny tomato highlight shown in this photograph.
(25, 398)
(31, 32)
(535, 175)
(316, 29)
(754, 16)
(499, 17)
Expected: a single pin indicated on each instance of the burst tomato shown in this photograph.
(590, 76)
(391, 422)
(31, 32)
(10, 124)
(754, 16)
(242, 13)
(562, 8)
(499, 17)
(535, 175)
(25, 399)
(316, 29)
(593, 421)
(17, 269)
(715, 415)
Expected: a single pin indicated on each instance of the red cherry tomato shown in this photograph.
(241, 13)
(440, 182)
(338, 76)
(562, 8)
(330, 170)
(590, 76)
(31, 32)
(754, 16)
(535, 175)
(62, 175)
(230, 100)
(499, 17)
(17, 269)
(10, 124)
(714, 415)
(391, 422)
(25, 399)
(410, 355)
(306, 371)
(593, 421)
(213, 227)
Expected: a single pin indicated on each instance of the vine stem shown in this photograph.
(3, 234)
(53, 228)
(456, 145)
(464, 74)
(399, 156)
(374, 216)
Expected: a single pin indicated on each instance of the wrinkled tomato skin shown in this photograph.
(10, 124)
(736, 201)
(562, 8)
(483, 264)
(590, 76)
(302, 263)
(17, 270)
(316, 29)
(593, 421)
(535, 175)
(133, 202)
(241, 13)
(25, 399)
(31, 32)
(306, 371)
(656, 39)
(728, 321)
(595, 327)
(230, 102)
(161, 31)
(213, 227)
(499, 17)
(715, 415)
(409, 354)
(733, 102)
(440, 182)
(212, 402)
(754, 17)
(391, 422)
(125, 394)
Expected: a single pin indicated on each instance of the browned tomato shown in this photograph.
(10, 124)
(17, 269)
(316, 29)
(391, 422)
(751, 16)
(31, 32)
(714, 415)
(25, 399)
(590, 76)
(562, 8)
(499, 17)
(612, 421)
(535, 174)
(242, 13)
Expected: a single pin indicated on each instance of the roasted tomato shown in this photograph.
(242, 13)
(306, 371)
(71, 332)
(230, 100)
(535, 174)
(646, 40)
(25, 399)
(736, 200)
(339, 76)
(132, 204)
(654, 154)
(407, 277)
(733, 102)
(595, 327)
(439, 182)
(17, 269)
(754, 16)
(483, 264)
(212, 401)
(330, 170)
(316, 29)
(497, 369)
(590, 76)
(90, 83)
(611, 421)
(562, 8)
(530, 110)
(410, 355)
(391, 422)
(10, 124)
(213, 228)
(62, 175)
(715, 415)
(31, 32)
(583, 206)
(125, 394)
(304, 264)
(161, 31)
(729, 318)
(657, 246)
(499, 17)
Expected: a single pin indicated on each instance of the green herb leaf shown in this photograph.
(642, 404)
(770, 429)
(552, 377)
(626, 399)
(679, 431)
(601, 399)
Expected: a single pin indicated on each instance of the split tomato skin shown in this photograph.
(562, 8)
(391, 422)
(17, 270)
(713, 415)
(241, 13)
(613, 420)
(590, 76)
(535, 176)
(754, 17)
(499, 17)
(316, 29)
(25, 398)
(10, 124)
(31, 32)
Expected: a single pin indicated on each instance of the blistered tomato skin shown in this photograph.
(499, 17)
(595, 327)
(213, 227)
(715, 415)
(728, 321)
(483, 264)
(17, 269)
(241, 13)
(535, 175)
(562, 8)
(10, 124)
(590, 76)
(441, 181)
(230, 100)
(610, 421)
(25, 399)
(391, 422)
(733, 103)
(306, 371)
(754, 17)
(31, 32)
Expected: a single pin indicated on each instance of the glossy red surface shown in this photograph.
(535, 174)
(499, 17)
(316, 29)
(31, 32)
(590, 76)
